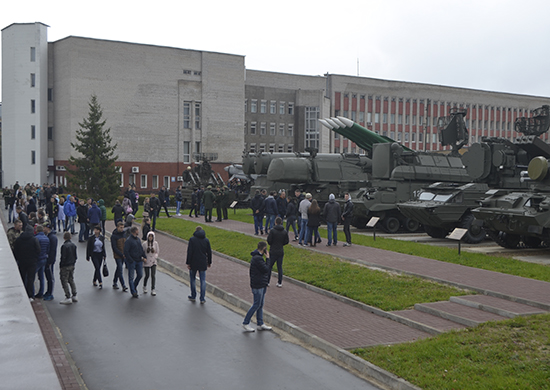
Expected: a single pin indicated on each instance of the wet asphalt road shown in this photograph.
(166, 342)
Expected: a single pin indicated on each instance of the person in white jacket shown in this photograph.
(151, 249)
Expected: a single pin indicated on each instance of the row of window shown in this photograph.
(192, 115)
(271, 148)
(274, 129)
(132, 179)
(280, 108)
(187, 151)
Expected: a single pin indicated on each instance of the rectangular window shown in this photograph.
(290, 108)
(290, 130)
(354, 116)
(392, 134)
(414, 120)
(420, 120)
(398, 137)
(33, 157)
(50, 133)
(245, 105)
(434, 138)
(413, 137)
(245, 128)
(281, 148)
(197, 116)
(166, 182)
(33, 131)
(272, 129)
(400, 119)
(273, 107)
(33, 54)
(421, 137)
(254, 106)
(121, 180)
(346, 113)
(392, 119)
(384, 118)
(186, 152)
(33, 106)
(406, 137)
(369, 117)
(290, 148)
(197, 146)
(186, 115)
(132, 178)
(252, 148)
(311, 127)
(377, 117)
(155, 181)
(33, 80)
(281, 108)
(407, 119)
(253, 128)
(361, 117)
(271, 148)
(262, 148)
(143, 181)
(50, 94)
(281, 129)
(263, 106)
(263, 127)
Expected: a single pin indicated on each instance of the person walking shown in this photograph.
(151, 249)
(134, 256)
(225, 202)
(313, 222)
(26, 251)
(194, 203)
(70, 212)
(117, 245)
(154, 206)
(103, 209)
(257, 204)
(50, 233)
(199, 259)
(291, 212)
(66, 269)
(302, 209)
(179, 199)
(164, 198)
(277, 239)
(96, 251)
(208, 200)
(94, 216)
(14, 232)
(270, 211)
(42, 259)
(82, 215)
(259, 272)
(332, 214)
(347, 216)
(218, 203)
(61, 217)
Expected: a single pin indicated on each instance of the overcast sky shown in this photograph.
(482, 44)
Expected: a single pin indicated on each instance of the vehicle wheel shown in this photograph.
(531, 242)
(436, 232)
(475, 233)
(411, 225)
(505, 240)
(391, 225)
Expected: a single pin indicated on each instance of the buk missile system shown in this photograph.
(513, 218)
(492, 163)
(397, 173)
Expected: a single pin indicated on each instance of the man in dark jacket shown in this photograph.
(134, 256)
(259, 272)
(82, 215)
(23, 217)
(51, 261)
(118, 212)
(154, 204)
(199, 258)
(277, 239)
(347, 216)
(194, 203)
(164, 198)
(331, 212)
(281, 204)
(208, 200)
(117, 245)
(26, 251)
(257, 204)
(270, 211)
(66, 269)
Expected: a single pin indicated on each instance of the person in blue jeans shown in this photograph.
(134, 256)
(259, 273)
(42, 259)
(302, 210)
(199, 259)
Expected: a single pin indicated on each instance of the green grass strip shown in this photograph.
(511, 354)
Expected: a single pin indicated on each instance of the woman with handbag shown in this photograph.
(151, 249)
(96, 251)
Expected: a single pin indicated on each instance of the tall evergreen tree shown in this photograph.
(94, 173)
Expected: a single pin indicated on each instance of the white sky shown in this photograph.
(495, 45)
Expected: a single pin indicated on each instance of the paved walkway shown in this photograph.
(337, 322)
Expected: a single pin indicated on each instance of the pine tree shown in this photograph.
(94, 173)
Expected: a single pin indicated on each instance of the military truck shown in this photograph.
(397, 173)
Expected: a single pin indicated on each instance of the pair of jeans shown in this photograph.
(258, 223)
(257, 307)
(304, 232)
(137, 267)
(150, 271)
(49, 278)
(70, 226)
(332, 232)
(40, 268)
(153, 215)
(193, 283)
(118, 272)
(97, 259)
(269, 221)
(178, 206)
(313, 235)
(83, 232)
(276, 258)
(292, 222)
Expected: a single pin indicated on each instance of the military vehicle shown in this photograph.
(397, 173)
(492, 163)
(513, 218)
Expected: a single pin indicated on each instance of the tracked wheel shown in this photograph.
(475, 233)
(505, 240)
(531, 242)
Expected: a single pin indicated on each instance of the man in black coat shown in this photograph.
(164, 198)
(277, 239)
(257, 204)
(347, 216)
(134, 256)
(26, 250)
(199, 258)
(259, 272)
(154, 204)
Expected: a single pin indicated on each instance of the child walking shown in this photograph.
(66, 269)
(151, 249)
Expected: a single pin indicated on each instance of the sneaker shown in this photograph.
(124, 289)
(153, 292)
(279, 285)
(66, 301)
(144, 290)
(248, 328)
(264, 327)
(31, 299)
(335, 244)
(203, 302)
(100, 286)
(48, 297)
(328, 245)
(95, 284)
(191, 298)
(346, 244)
(39, 296)
(74, 298)
(115, 286)
(135, 295)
